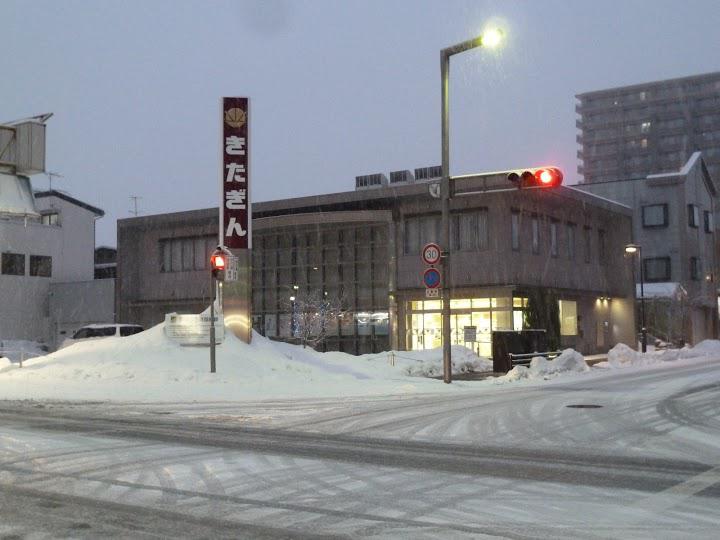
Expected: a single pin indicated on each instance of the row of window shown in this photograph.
(183, 254)
(656, 269)
(553, 238)
(468, 231)
(656, 215)
(13, 264)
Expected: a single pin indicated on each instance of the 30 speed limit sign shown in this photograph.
(431, 254)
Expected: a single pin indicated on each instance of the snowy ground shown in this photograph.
(150, 367)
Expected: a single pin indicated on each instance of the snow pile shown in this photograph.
(541, 368)
(150, 367)
(622, 356)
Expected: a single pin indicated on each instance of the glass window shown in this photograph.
(176, 256)
(165, 256)
(13, 264)
(708, 221)
(554, 238)
(656, 269)
(588, 245)
(515, 230)
(40, 266)
(49, 218)
(695, 268)
(568, 317)
(571, 227)
(535, 235)
(201, 256)
(130, 330)
(693, 216)
(655, 215)
(412, 236)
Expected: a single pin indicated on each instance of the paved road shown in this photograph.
(510, 463)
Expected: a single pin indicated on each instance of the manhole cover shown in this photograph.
(584, 406)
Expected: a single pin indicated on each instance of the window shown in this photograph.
(40, 266)
(588, 244)
(130, 330)
(656, 269)
(708, 221)
(186, 254)
(645, 127)
(694, 268)
(535, 235)
(655, 215)
(601, 246)
(571, 228)
(420, 231)
(554, 238)
(50, 218)
(515, 230)
(469, 231)
(693, 215)
(568, 317)
(13, 264)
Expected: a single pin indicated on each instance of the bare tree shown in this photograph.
(313, 314)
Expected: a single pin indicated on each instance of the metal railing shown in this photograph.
(526, 358)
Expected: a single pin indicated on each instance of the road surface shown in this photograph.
(640, 458)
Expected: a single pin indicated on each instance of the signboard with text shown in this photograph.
(235, 218)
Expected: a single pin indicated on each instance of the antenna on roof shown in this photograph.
(50, 175)
(134, 199)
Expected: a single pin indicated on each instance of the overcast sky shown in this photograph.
(337, 89)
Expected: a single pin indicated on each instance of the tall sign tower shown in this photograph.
(236, 215)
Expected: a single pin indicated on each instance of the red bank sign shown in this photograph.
(235, 217)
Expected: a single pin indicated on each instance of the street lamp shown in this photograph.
(490, 38)
(634, 249)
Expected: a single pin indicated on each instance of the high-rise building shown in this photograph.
(634, 131)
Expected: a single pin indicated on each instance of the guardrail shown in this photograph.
(526, 358)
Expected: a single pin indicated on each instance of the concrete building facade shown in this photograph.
(363, 247)
(675, 227)
(634, 131)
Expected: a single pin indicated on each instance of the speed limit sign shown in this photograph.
(431, 254)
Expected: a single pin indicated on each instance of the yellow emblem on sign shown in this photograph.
(235, 117)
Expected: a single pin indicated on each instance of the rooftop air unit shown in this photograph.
(370, 181)
(428, 173)
(397, 177)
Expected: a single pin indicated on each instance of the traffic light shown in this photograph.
(544, 177)
(218, 262)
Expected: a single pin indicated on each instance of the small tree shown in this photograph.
(543, 313)
(312, 314)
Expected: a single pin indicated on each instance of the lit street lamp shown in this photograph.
(491, 39)
(634, 249)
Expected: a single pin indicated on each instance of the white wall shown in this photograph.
(24, 308)
(77, 241)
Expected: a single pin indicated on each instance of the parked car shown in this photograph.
(97, 331)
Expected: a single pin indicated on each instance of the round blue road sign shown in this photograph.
(431, 278)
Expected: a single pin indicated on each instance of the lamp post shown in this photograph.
(633, 249)
(491, 38)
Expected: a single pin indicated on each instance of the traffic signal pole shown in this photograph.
(212, 322)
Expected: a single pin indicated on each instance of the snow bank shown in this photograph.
(622, 356)
(541, 368)
(150, 367)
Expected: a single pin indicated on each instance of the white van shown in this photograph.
(96, 331)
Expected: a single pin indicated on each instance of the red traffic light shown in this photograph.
(218, 262)
(543, 177)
